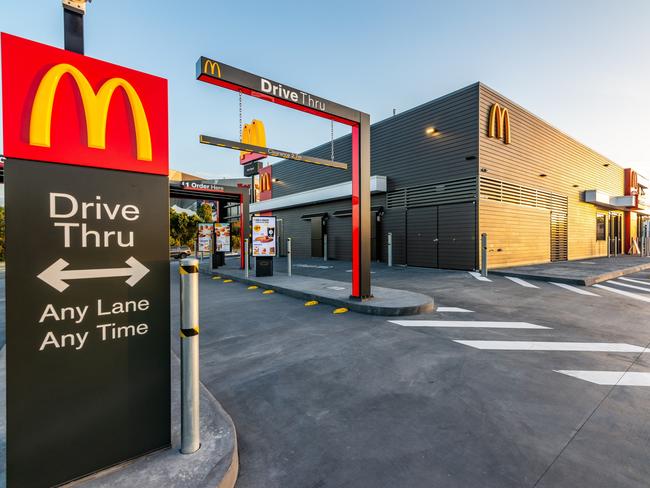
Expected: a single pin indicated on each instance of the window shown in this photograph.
(600, 227)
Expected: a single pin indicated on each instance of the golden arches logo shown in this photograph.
(265, 182)
(499, 123)
(212, 66)
(253, 133)
(95, 109)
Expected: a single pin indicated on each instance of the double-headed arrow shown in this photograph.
(56, 275)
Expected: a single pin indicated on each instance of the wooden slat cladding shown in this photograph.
(517, 235)
(400, 148)
(536, 149)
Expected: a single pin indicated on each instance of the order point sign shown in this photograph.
(88, 380)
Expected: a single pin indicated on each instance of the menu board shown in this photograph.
(205, 236)
(222, 237)
(264, 236)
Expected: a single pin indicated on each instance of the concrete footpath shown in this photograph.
(385, 301)
(584, 272)
(215, 465)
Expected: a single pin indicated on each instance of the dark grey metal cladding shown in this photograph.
(457, 236)
(394, 220)
(400, 148)
(422, 237)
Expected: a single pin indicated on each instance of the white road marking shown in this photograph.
(521, 282)
(574, 289)
(636, 296)
(611, 378)
(467, 324)
(553, 346)
(638, 280)
(627, 285)
(337, 288)
(453, 309)
(478, 276)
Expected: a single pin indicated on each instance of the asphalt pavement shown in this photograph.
(510, 384)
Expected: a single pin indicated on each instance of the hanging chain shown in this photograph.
(241, 129)
(332, 142)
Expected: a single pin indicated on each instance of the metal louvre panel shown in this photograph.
(453, 191)
(559, 236)
(502, 191)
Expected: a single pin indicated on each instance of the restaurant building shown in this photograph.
(447, 171)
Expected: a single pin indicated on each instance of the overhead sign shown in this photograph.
(87, 277)
(267, 151)
(264, 237)
(499, 123)
(254, 134)
(198, 185)
(265, 183)
(227, 76)
(63, 107)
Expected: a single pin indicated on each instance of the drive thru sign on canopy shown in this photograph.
(221, 74)
(88, 373)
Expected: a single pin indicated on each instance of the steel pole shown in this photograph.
(246, 258)
(615, 246)
(484, 255)
(189, 333)
(289, 256)
(390, 249)
(324, 247)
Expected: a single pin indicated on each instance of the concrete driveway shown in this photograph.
(529, 384)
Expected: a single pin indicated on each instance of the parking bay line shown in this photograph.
(467, 324)
(610, 378)
(521, 282)
(553, 346)
(639, 281)
(478, 276)
(627, 285)
(636, 296)
(453, 309)
(574, 289)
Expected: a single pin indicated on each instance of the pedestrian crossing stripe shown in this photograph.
(628, 285)
(574, 289)
(628, 294)
(467, 324)
(521, 282)
(553, 346)
(610, 378)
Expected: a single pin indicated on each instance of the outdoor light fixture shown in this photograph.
(484, 170)
(275, 180)
(431, 131)
(606, 165)
(542, 175)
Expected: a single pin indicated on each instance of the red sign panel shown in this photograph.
(63, 107)
(266, 183)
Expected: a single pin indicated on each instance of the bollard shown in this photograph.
(324, 247)
(484, 255)
(189, 333)
(390, 249)
(246, 258)
(289, 256)
(615, 246)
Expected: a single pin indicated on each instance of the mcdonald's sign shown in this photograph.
(62, 107)
(255, 134)
(265, 183)
(499, 123)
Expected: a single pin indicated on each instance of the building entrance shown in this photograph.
(615, 232)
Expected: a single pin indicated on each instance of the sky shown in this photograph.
(581, 65)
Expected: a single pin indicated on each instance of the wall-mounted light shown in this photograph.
(484, 170)
(575, 186)
(431, 131)
(542, 175)
(275, 180)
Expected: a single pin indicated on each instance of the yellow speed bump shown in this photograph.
(341, 310)
(311, 303)
(227, 281)
(216, 277)
(267, 292)
(253, 287)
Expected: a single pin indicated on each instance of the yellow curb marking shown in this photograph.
(253, 287)
(227, 281)
(216, 277)
(341, 310)
(267, 292)
(311, 303)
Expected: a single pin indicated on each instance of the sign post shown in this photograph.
(88, 340)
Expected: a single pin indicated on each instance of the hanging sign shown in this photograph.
(264, 236)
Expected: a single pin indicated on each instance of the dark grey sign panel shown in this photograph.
(251, 169)
(88, 338)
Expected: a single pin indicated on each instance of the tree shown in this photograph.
(182, 228)
(204, 212)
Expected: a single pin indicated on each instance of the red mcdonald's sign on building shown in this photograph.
(73, 109)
